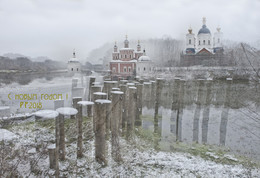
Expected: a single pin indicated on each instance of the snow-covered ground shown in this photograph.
(139, 158)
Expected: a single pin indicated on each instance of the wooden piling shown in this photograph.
(52, 156)
(58, 104)
(138, 121)
(91, 81)
(79, 129)
(123, 88)
(62, 138)
(57, 144)
(100, 133)
(131, 112)
(116, 116)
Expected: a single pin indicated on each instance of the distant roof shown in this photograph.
(73, 60)
(144, 58)
(204, 30)
(126, 49)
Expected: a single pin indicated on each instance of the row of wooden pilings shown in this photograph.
(116, 110)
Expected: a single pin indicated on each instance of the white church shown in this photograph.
(203, 48)
(74, 66)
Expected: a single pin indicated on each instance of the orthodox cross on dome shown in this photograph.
(74, 53)
(204, 20)
(190, 30)
(218, 29)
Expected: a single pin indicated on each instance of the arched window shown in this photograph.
(121, 56)
(129, 69)
(199, 42)
(204, 42)
(125, 56)
(71, 69)
(124, 69)
(189, 41)
(209, 42)
(144, 68)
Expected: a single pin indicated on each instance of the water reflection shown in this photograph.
(205, 111)
(26, 78)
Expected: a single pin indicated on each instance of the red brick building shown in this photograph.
(123, 62)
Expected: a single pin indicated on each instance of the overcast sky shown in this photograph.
(54, 28)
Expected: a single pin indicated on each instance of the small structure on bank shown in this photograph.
(144, 65)
(125, 61)
(203, 49)
(74, 66)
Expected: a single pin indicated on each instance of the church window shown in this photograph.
(125, 56)
(77, 69)
(204, 42)
(138, 68)
(209, 42)
(121, 56)
(199, 42)
(124, 69)
(71, 69)
(129, 69)
(189, 41)
(144, 68)
(218, 40)
(130, 56)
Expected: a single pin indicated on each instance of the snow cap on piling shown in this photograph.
(117, 92)
(46, 114)
(103, 101)
(67, 111)
(85, 103)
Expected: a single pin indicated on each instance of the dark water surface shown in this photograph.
(223, 112)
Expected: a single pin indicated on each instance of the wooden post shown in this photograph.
(58, 104)
(131, 112)
(75, 100)
(96, 96)
(108, 85)
(57, 144)
(62, 138)
(138, 121)
(123, 88)
(68, 112)
(91, 81)
(94, 89)
(52, 157)
(79, 125)
(100, 133)
(116, 116)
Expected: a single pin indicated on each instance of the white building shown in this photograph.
(144, 65)
(74, 65)
(203, 41)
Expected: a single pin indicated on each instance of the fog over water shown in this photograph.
(54, 28)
